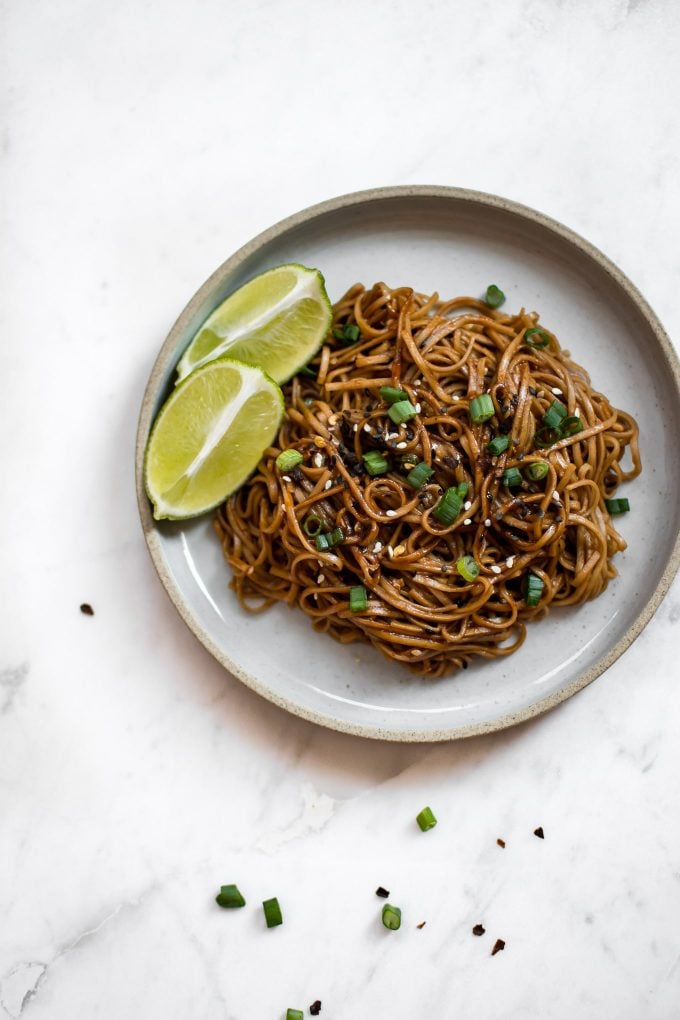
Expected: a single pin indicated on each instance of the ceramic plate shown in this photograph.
(455, 242)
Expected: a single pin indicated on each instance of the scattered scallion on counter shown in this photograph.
(481, 409)
(533, 589)
(295, 1014)
(392, 395)
(537, 469)
(229, 896)
(498, 445)
(536, 337)
(468, 568)
(272, 912)
(617, 506)
(391, 917)
(448, 507)
(358, 599)
(402, 411)
(426, 819)
(288, 459)
(375, 463)
(419, 474)
(512, 477)
(494, 296)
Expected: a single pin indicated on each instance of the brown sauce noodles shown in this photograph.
(421, 611)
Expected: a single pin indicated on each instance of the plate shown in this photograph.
(455, 242)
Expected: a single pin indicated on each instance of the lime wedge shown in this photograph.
(208, 437)
(276, 321)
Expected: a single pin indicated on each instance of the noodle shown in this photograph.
(421, 611)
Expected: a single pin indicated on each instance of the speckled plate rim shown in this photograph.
(168, 354)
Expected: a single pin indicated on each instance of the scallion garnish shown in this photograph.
(392, 395)
(571, 425)
(545, 437)
(322, 543)
(555, 415)
(350, 333)
(272, 912)
(533, 589)
(498, 445)
(312, 526)
(536, 337)
(419, 474)
(358, 599)
(375, 463)
(537, 469)
(229, 896)
(295, 1014)
(462, 489)
(329, 539)
(288, 459)
(617, 506)
(448, 507)
(391, 917)
(494, 296)
(402, 411)
(481, 409)
(426, 819)
(512, 477)
(468, 568)
(306, 370)
(410, 458)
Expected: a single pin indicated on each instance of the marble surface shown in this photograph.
(141, 144)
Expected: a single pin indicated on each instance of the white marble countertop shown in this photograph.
(142, 144)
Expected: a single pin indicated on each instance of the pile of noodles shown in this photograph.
(421, 611)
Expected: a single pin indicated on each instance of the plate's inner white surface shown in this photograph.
(455, 248)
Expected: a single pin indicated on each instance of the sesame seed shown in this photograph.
(355, 427)
(320, 579)
(332, 420)
(487, 522)
(390, 551)
(367, 428)
(455, 397)
(283, 508)
(418, 408)
(402, 445)
(390, 513)
(509, 562)
(328, 484)
(392, 435)
(377, 547)
(467, 520)
(467, 504)
(286, 478)
(399, 549)
(557, 391)
(495, 569)
(318, 460)
(556, 496)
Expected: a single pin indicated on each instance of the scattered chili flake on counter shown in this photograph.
(478, 929)
(86, 609)
(497, 946)
(501, 842)
(539, 832)
(422, 924)
(380, 891)
(315, 1008)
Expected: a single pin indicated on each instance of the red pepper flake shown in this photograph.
(86, 609)
(539, 832)
(315, 1008)
(478, 929)
(497, 946)
(422, 924)
(501, 842)
(380, 891)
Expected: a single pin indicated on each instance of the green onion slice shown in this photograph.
(392, 395)
(312, 526)
(375, 463)
(494, 296)
(229, 896)
(358, 599)
(410, 458)
(498, 445)
(402, 411)
(537, 469)
(448, 507)
(295, 1014)
(391, 917)
(322, 543)
(570, 426)
(330, 539)
(350, 333)
(419, 474)
(533, 589)
(555, 415)
(481, 409)
(536, 337)
(426, 819)
(512, 477)
(288, 459)
(545, 437)
(468, 568)
(462, 489)
(272, 912)
(617, 506)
